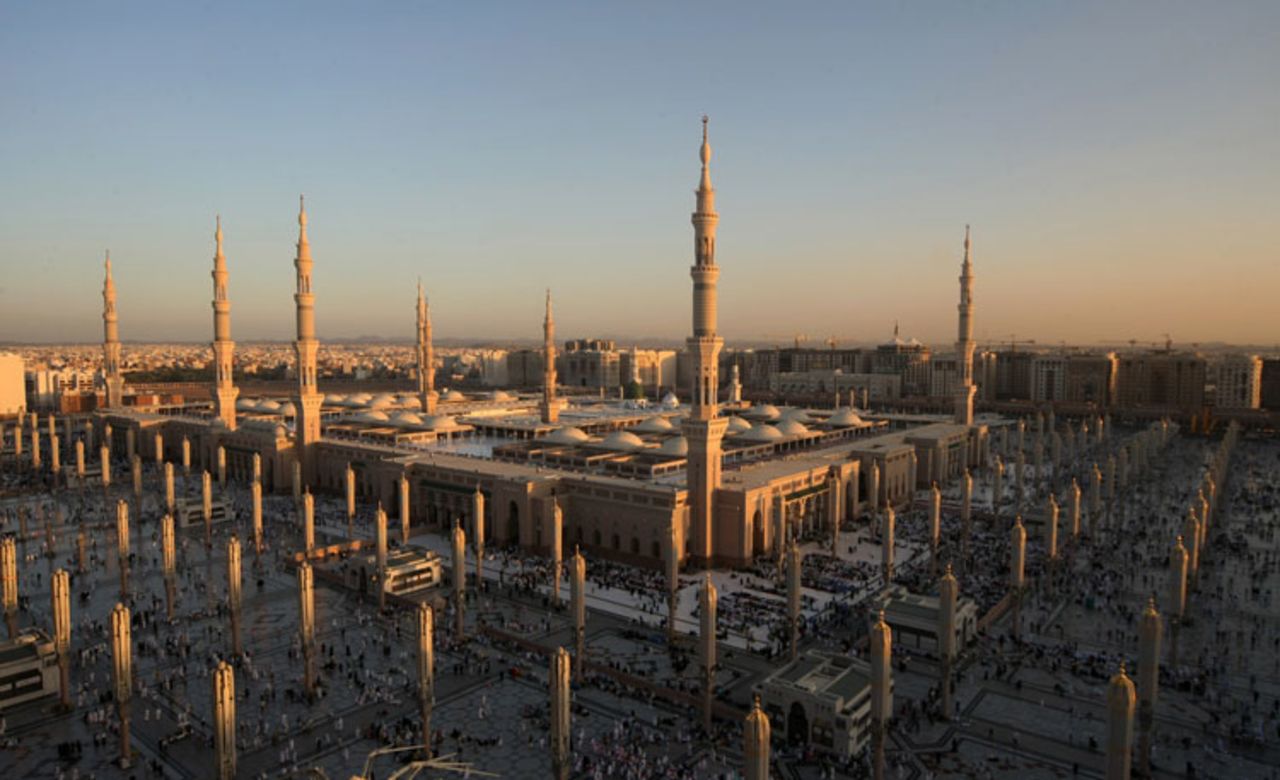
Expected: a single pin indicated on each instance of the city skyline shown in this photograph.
(574, 177)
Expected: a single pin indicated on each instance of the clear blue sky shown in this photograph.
(1120, 163)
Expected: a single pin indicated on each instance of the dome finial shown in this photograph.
(302, 211)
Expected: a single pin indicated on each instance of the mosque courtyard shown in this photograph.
(1030, 706)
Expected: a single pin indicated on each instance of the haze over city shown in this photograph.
(1118, 165)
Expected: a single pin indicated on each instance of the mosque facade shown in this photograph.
(725, 479)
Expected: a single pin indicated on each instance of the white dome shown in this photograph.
(407, 419)
(453, 395)
(333, 399)
(797, 414)
(738, 425)
(654, 425)
(670, 401)
(500, 395)
(412, 402)
(622, 441)
(789, 427)
(763, 412)
(676, 445)
(762, 432)
(288, 409)
(269, 406)
(372, 417)
(566, 435)
(845, 418)
(438, 422)
(245, 405)
(360, 398)
(382, 401)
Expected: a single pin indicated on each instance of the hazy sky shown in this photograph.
(1120, 163)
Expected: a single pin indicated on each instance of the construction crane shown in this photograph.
(1013, 342)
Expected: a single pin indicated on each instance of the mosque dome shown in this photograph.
(269, 406)
(763, 412)
(500, 395)
(372, 417)
(411, 402)
(797, 414)
(382, 401)
(437, 422)
(762, 432)
(333, 399)
(288, 409)
(566, 435)
(738, 425)
(360, 398)
(453, 395)
(789, 427)
(676, 445)
(654, 425)
(407, 420)
(670, 401)
(845, 418)
(622, 441)
(245, 405)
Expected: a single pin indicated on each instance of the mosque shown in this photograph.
(717, 483)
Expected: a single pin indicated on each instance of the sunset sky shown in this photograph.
(1119, 163)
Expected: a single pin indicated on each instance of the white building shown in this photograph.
(1239, 382)
(13, 389)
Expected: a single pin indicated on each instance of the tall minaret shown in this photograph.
(426, 357)
(703, 429)
(550, 409)
(224, 389)
(308, 400)
(111, 342)
(964, 340)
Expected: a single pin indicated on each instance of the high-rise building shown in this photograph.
(1238, 382)
(1091, 378)
(1270, 382)
(13, 391)
(1161, 379)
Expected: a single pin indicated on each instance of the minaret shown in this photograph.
(426, 357)
(550, 409)
(111, 342)
(380, 552)
(1120, 703)
(755, 748)
(224, 389)
(703, 429)
(964, 340)
(308, 400)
